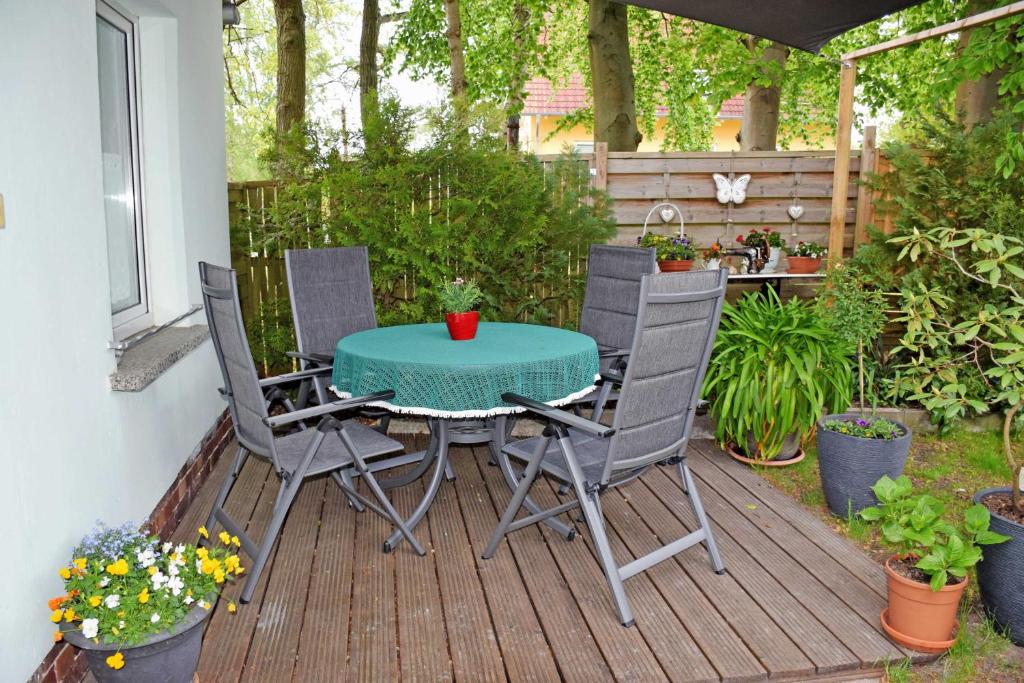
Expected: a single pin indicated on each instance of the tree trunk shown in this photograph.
(759, 130)
(368, 42)
(455, 53)
(611, 72)
(291, 63)
(517, 86)
(977, 100)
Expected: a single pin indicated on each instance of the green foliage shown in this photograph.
(914, 524)
(460, 205)
(851, 306)
(807, 249)
(775, 369)
(765, 237)
(459, 296)
(669, 248)
(877, 428)
(271, 335)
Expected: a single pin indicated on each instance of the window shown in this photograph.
(583, 147)
(117, 51)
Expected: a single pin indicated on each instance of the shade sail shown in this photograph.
(804, 24)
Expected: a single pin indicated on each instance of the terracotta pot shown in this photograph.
(790, 454)
(462, 326)
(675, 266)
(801, 265)
(918, 617)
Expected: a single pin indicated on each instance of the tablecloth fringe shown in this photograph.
(466, 414)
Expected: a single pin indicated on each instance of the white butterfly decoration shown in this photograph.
(734, 191)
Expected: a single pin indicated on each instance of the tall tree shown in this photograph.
(369, 39)
(291, 63)
(611, 72)
(517, 85)
(977, 98)
(759, 129)
(456, 56)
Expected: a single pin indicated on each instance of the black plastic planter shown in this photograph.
(167, 657)
(1000, 572)
(850, 465)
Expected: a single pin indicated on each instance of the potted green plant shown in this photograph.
(768, 242)
(805, 257)
(457, 300)
(673, 253)
(775, 369)
(713, 256)
(138, 607)
(928, 574)
(854, 452)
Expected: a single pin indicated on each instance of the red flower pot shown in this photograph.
(674, 266)
(462, 326)
(802, 265)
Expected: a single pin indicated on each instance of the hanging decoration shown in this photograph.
(731, 190)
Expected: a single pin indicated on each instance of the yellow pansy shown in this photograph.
(79, 562)
(65, 573)
(235, 542)
(225, 538)
(203, 532)
(209, 565)
(57, 615)
(231, 563)
(239, 571)
(119, 568)
(69, 614)
(95, 601)
(152, 569)
(144, 596)
(115, 630)
(231, 608)
(218, 575)
(202, 553)
(115, 661)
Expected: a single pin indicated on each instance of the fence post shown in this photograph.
(865, 205)
(601, 165)
(841, 175)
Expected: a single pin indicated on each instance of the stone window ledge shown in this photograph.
(140, 365)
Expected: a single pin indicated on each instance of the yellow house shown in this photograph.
(545, 106)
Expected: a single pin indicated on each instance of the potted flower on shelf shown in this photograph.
(775, 369)
(927, 577)
(854, 452)
(768, 242)
(138, 607)
(457, 300)
(805, 257)
(674, 254)
(713, 256)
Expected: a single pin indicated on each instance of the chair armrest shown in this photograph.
(294, 376)
(326, 409)
(318, 358)
(611, 377)
(612, 353)
(557, 415)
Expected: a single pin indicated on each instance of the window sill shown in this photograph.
(142, 364)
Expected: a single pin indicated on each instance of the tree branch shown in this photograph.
(392, 16)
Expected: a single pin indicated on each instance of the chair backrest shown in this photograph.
(241, 383)
(676, 327)
(332, 295)
(613, 293)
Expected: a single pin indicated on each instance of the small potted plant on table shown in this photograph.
(927, 577)
(713, 256)
(775, 369)
(805, 257)
(768, 242)
(674, 254)
(138, 607)
(854, 452)
(457, 300)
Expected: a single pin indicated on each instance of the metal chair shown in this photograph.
(334, 447)
(676, 325)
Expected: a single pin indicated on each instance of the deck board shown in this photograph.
(798, 603)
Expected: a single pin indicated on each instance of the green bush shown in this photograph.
(456, 204)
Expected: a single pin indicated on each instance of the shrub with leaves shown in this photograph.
(459, 296)
(914, 524)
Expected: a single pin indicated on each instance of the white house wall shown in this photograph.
(71, 450)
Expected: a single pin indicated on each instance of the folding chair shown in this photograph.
(334, 447)
(676, 325)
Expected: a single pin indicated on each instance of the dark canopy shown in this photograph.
(805, 24)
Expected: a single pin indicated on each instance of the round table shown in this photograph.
(457, 385)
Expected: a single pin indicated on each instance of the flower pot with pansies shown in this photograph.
(138, 607)
(458, 298)
(929, 572)
(805, 257)
(768, 243)
(674, 254)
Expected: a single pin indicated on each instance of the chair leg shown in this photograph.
(518, 497)
(344, 481)
(383, 425)
(702, 518)
(449, 470)
(284, 503)
(395, 518)
(226, 485)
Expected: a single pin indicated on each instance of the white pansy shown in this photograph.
(199, 565)
(155, 618)
(158, 579)
(120, 624)
(188, 600)
(90, 627)
(166, 547)
(112, 601)
(172, 569)
(104, 581)
(175, 584)
(146, 558)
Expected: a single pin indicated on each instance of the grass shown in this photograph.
(951, 468)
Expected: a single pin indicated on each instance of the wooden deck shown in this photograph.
(797, 603)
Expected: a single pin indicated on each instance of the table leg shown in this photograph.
(438, 430)
(421, 467)
(512, 477)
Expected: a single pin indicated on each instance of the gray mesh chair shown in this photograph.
(676, 326)
(332, 296)
(333, 447)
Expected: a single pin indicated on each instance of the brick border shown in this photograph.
(64, 663)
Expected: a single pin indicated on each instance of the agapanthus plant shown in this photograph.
(123, 585)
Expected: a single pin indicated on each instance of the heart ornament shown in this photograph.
(795, 212)
(667, 214)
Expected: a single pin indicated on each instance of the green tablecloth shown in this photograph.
(433, 375)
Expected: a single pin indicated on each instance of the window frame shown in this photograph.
(138, 317)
